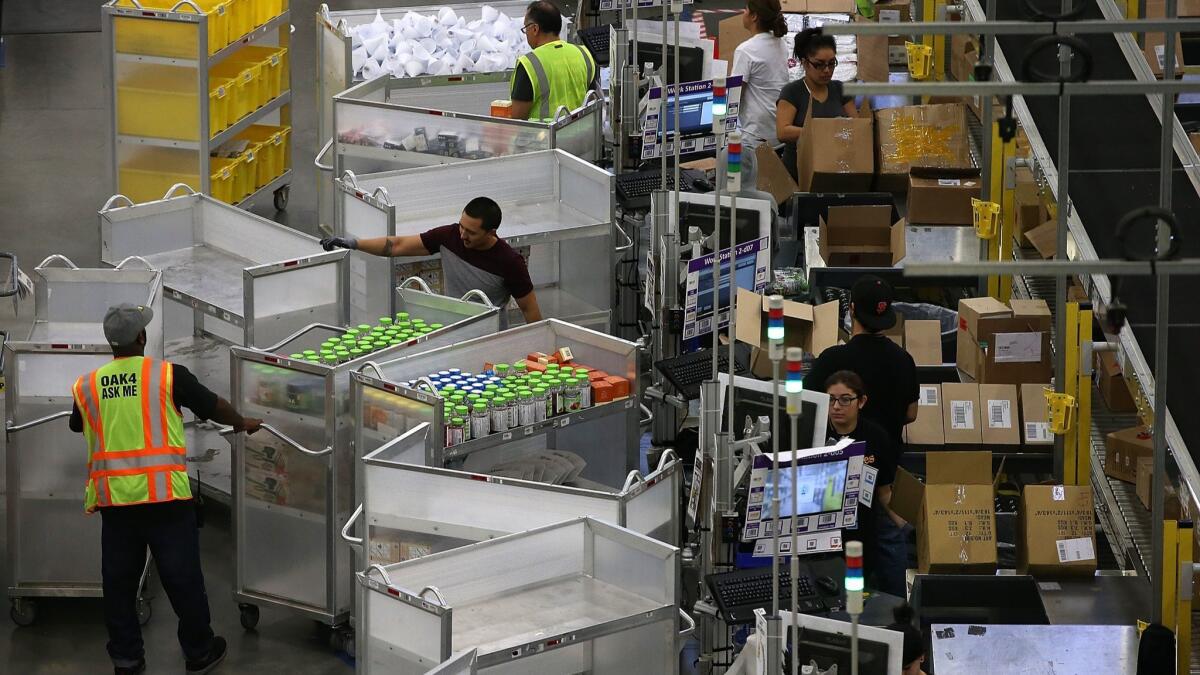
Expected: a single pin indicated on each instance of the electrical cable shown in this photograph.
(1031, 73)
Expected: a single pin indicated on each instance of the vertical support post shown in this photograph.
(1062, 161)
(1083, 398)
(939, 42)
(991, 147)
(928, 15)
(1183, 609)
(1000, 247)
(1164, 603)
(1070, 379)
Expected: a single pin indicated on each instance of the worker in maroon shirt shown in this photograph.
(473, 256)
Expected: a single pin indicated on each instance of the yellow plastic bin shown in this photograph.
(245, 175)
(241, 18)
(274, 63)
(265, 10)
(270, 147)
(148, 173)
(245, 86)
(161, 101)
(173, 39)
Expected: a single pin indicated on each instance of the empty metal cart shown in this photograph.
(577, 596)
(294, 487)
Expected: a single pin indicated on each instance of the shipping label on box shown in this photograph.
(1018, 347)
(926, 430)
(960, 410)
(1056, 531)
(1035, 420)
(999, 412)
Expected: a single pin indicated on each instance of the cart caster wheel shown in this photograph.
(281, 198)
(249, 616)
(144, 611)
(341, 639)
(23, 612)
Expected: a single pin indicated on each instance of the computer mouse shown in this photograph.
(829, 585)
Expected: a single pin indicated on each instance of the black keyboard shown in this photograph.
(634, 188)
(595, 38)
(740, 592)
(687, 372)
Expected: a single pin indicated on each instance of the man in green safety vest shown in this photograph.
(129, 412)
(555, 74)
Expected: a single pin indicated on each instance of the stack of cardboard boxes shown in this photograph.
(1004, 344)
(969, 416)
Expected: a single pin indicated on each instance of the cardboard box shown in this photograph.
(730, 34)
(1123, 448)
(1044, 238)
(1030, 211)
(1111, 384)
(928, 136)
(872, 56)
(1035, 313)
(960, 413)
(894, 11)
(1035, 418)
(942, 196)
(926, 431)
(1154, 42)
(805, 326)
(1000, 419)
(773, 176)
(908, 493)
(956, 528)
(1194, 137)
(999, 346)
(861, 235)
(1056, 531)
(923, 340)
(972, 310)
(1145, 479)
(835, 155)
(964, 52)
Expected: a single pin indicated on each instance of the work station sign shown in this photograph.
(695, 102)
(751, 263)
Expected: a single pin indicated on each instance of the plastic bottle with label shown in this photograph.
(571, 401)
(526, 414)
(541, 404)
(481, 421)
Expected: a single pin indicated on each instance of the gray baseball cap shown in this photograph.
(123, 323)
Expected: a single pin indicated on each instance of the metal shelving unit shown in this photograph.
(276, 31)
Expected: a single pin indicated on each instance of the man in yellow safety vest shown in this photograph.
(129, 411)
(555, 74)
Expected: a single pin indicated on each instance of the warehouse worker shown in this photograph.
(555, 73)
(761, 62)
(129, 411)
(473, 256)
(816, 94)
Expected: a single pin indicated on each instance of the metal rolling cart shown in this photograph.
(335, 71)
(605, 436)
(235, 278)
(558, 205)
(188, 77)
(576, 596)
(293, 489)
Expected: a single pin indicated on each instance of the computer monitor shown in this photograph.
(745, 276)
(827, 642)
(695, 114)
(752, 398)
(697, 210)
(691, 60)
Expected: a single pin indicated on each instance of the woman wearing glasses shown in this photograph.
(846, 400)
(818, 54)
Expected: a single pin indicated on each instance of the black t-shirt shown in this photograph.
(881, 454)
(186, 390)
(889, 373)
(797, 94)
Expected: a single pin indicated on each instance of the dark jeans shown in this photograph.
(169, 530)
(893, 555)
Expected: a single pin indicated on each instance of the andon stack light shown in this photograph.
(795, 379)
(854, 577)
(720, 101)
(775, 326)
(734, 169)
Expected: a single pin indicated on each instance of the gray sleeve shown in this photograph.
(796, 94)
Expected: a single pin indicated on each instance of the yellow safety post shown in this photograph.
(1183, 628)
(1170, 572)
(939, 42)
(1070, 380)
(1001, 246)
(1083, 397)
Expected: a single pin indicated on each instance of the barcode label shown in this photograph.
(1037, 432)
(929, 396)
(1073, 550)
(949, 182)
(889, 16)
(999, 414)
(962, 414)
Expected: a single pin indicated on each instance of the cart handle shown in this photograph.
(355, 542)
(686, 632)
(428, 383)
(138, 258)
(590, 96)
(108, 204)
(3, 340)
(349, 177)
(629, 240)
(14, 283)
(417, 280)
(193, 5)
(382, 195)
(321, 153)
(300, 332)
(372, 364)
(634, 476)
(54, 257)
(648, 419)
(558, 114)
(323, 10)
(667, 456)
(476, 293)
(171, 192)
(41, 420)
(436, 593)
(376, 567)
(285, 438)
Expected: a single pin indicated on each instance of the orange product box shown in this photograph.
(620, 386)
(594, 375)
(602, 392)
(534, 366)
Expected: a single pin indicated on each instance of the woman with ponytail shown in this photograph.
(761, 61)
(817, 53)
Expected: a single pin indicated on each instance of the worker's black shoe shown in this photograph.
(216, 654)
(130, 670)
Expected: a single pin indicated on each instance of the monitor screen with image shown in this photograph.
(695, 114)
(818, 487)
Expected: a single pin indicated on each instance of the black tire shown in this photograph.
(144, 611)
(249, 616)
(23, 612)
(281, 198)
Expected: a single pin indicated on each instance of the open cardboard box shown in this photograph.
(853, 236)
(925, 136)
(954, 513)
(942, 196)
(812, 328)
(1056, 531)
(836, 154)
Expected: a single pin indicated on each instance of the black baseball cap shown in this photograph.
(873, 298)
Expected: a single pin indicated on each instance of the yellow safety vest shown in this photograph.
(135, 437)
(560, 73)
